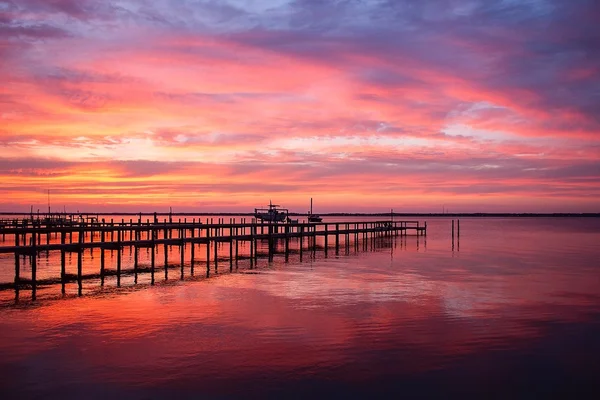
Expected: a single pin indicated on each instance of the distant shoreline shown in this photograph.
(395, 214)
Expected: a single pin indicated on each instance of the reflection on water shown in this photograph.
(516, 310)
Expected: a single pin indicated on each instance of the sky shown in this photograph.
(365, 106)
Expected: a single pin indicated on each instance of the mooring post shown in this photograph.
(102, 239)
(192, 233)
(63, 273)
(135, 257)
(255, 240)
(347, 237)
(207, 252)
(301, 238)
(17, 264)
(152, 261)
(251, 247)
(216, 254)
(182, 250)
(166, 249)
(458, 229)
(119, 249)
(80, 261)
(230, 251)
(337, 238)
(270, 240)
(236, 248)
(33, 266)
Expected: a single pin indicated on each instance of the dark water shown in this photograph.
(513, 312)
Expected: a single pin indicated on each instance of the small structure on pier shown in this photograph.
(271, 214)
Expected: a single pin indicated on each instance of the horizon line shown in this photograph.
(331, 214)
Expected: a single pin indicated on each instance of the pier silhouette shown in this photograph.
(29, 238)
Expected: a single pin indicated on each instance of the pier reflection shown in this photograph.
(517, 310)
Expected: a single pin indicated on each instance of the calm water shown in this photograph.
(514, 311)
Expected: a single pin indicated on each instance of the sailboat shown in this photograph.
(313, 217)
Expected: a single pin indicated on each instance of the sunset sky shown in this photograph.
(222, 105)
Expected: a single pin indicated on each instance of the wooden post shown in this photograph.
(182, 249)
(452, 234)
(301, 240)
(135, 257)
(192, 253)
(80, 261)
(236, 249)
(119, 249)
(152, 261)
(287, 242)
(207, 252)
(62, 262)
(216, 254)
(33, 267)
(166, 233)
(102, 261)
(230, 252)
(252, 250)
(256, 244)
(337, 238)
(270, 240)
(17, 265)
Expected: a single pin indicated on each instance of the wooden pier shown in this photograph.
(27, 240)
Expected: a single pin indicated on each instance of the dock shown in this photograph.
(28, 239)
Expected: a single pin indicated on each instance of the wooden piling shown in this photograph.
(63, 264)
(182, 249)
(216, 254)
(135, 257)
(207, 252)
(193, 245)
(119, 250)
(251, 247)
(166, 232)
(17, 263)
(236, 250)
(102, 261)
(80, 262)
(230, 254)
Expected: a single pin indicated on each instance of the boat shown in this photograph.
(313, 217)
(271, 214)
